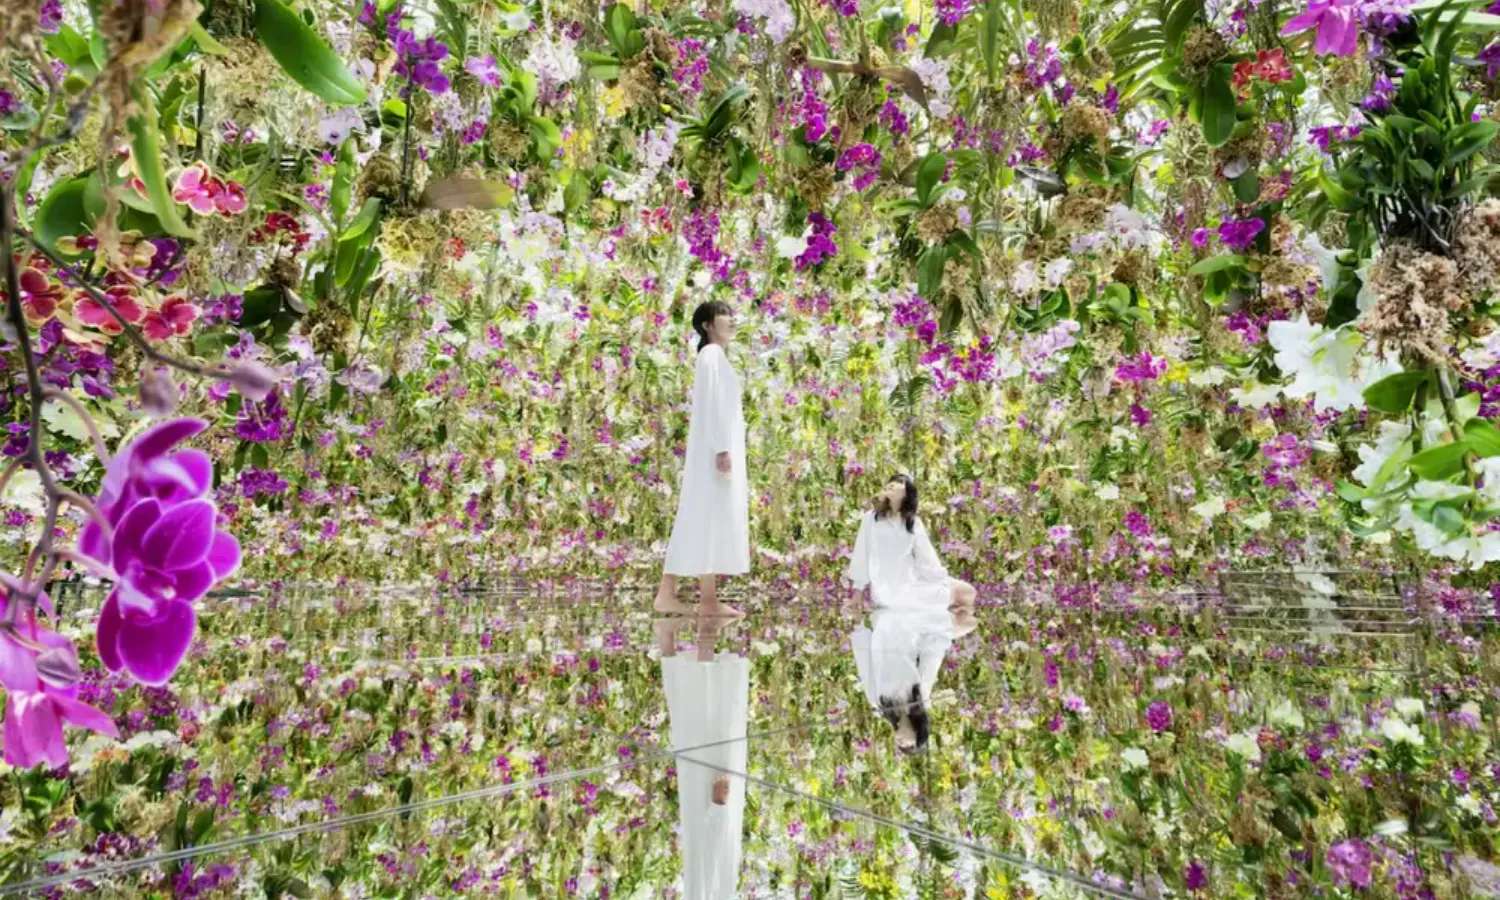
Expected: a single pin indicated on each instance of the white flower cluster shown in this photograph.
(1326, 365)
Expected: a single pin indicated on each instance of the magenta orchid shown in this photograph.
(164, 551)
(40, 674)
(1337, 22)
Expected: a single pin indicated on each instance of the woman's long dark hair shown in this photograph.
(704, 316)
(908, 503)
(893, 709)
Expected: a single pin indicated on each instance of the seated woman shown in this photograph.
(919, 610)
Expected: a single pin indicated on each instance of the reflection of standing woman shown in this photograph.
(708, 702)
(711, 535)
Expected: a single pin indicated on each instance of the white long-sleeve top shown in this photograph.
(901, 567)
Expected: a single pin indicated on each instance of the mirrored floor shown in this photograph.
(526, 742)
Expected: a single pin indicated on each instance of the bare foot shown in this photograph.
(963, 625)
(668, 603)
(721, 790)
(720, 610)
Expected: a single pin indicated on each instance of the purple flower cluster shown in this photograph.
(1049, 343)
(1137, 524)
(254, 482)
(191, 885)
(49, 19)
(263, 422)
(812, 112)
(1284, 451)
(912, 312)
(8, 103)
(1325, 136)
(1043, 64)
(1351, 861)
(224, 308)
(418, 61)
(951, 12)
(866, 159)
(162, 547)
(1239, 234)
(1140, 368)
(820, 245)
(701, 231)
(895, 120)
(692, 67)
(1159, 716)
(485, 69)
(1382, 91)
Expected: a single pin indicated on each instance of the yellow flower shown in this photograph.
(614, 102)
(575, 145)
(1176, 372)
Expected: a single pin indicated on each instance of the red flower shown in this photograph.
(40, 295)
(1271, 66)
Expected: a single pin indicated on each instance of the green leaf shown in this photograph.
(1393, 393)
(205, 41)
(1349, 491)
(1218, 107)
(1218, 264)
(989, 38)
(929, 173)
(1468, 139)
(930, 271)
(63, 213)
(1466, 407)
(1482, 437)
(343, 180)
(1440, 462)
(304, 55)
(145, 148)
(367, 216)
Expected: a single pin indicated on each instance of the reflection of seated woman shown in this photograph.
(707, 701)
(919, 611)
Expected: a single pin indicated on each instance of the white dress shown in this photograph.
(711, 534)
(901, 567)
(903, 650)
(708, 703)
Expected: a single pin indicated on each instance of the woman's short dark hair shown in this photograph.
(704, 316)
(908, 502)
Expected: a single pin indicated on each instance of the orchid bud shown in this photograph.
(158, 392)
(253, 380)
(58, 667)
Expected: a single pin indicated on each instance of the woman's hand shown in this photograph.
(722, 462)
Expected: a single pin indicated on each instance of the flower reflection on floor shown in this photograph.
(551, 740)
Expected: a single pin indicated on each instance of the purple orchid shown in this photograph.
(40, 674)
(164, 551)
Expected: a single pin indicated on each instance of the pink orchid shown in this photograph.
(39, 671)
(230, 200)
(205, 194)
(196, 187)
(174, 318)
(1337, 22)
(94, 314)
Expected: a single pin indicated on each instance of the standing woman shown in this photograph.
(711, 535)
